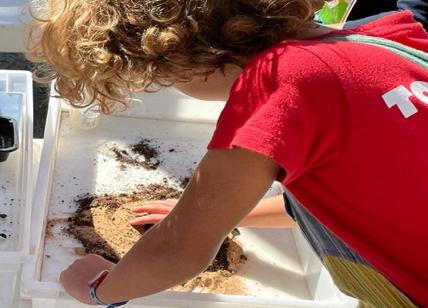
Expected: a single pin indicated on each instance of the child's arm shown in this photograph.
(269, 213)
(226, 186)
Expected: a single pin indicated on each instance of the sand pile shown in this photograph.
(101, 225)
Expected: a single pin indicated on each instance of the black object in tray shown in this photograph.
(8, 137)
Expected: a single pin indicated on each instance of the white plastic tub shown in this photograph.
(281, 271)
(16, 101)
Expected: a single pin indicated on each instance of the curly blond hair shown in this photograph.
(104, 50)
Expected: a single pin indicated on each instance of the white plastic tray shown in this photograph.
(281, 270)
(16, 101)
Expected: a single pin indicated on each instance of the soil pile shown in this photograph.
(101, 225)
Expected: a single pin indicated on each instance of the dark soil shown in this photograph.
(184, 182)
(220, 261)
(142, 148)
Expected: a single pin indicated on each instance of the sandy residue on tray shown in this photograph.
(219, 277)
(220, 282)
(101, 224)
(51, 223)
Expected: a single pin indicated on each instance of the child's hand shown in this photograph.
(76, 278)
(269, 213)
(152, 212)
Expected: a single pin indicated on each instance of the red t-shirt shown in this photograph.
(348, 123)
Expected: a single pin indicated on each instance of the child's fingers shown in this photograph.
(152, 209)
(170, 202)
(148, 219)
(155, 207)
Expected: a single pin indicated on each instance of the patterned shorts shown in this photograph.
(352, 274)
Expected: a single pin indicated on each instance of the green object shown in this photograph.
(334, 14)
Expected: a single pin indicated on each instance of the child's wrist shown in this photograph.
(101, 294)
(104, 295)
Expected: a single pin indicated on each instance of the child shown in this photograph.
(342, 124)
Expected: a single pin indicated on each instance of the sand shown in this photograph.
(101, 225)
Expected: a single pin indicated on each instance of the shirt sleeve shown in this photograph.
(289, 106)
